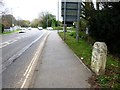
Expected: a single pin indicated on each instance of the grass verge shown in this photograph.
(9, 32)
(111, 78)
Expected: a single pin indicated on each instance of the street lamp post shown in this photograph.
(12, 18)
(64, 20)
(78, 19)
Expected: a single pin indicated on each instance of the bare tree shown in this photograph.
(1, 5)
(3, 9)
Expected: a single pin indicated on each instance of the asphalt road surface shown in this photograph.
(18, 50)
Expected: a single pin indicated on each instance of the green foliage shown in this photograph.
(9, 32)
(104, 24)
(8, 20)
(103, 80)
(47, 20)
(58, 28)
(23, 23)
(81, 48)
(58, 24)
(35, 23)
(72, 33)
(82, 35)
(83, 24)
(111, 79)
(112, 74)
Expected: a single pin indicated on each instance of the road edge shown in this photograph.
(76, 56)
(30, 75)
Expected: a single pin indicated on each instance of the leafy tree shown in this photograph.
(87, 10)
(3, 9)
(35, 23)
(8, 20)
(23, 23)
(46, 19)
(104, 23)
(58, 23)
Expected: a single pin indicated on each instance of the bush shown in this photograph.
(105, 27)
(73, 34)
(58, 28)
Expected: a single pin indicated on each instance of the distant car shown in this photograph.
(29, 28)
(22, 30)
(40, 28)
(49, 28)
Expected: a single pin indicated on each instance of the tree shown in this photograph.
(3, 9)
(1, 5)
(46, 19)
(58, 23)
(104, 23)
(8, 20)
(35, 23)
(23, 23)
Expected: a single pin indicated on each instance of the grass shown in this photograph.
(83, 49)
(9, 32)
(61, 28)
(58, 28)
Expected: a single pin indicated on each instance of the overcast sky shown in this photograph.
(29, 9)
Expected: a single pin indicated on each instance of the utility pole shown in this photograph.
(78, 19)
(58, 10)
(64, 20)
(12, 18)
(58, 16)
(47, 19)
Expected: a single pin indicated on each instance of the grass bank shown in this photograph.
(84, 50)
(58, 28)
(61, 28)
(9, 32)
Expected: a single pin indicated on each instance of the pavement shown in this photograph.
(59, 67)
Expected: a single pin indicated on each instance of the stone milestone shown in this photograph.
(99, 56)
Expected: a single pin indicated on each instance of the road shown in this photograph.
(18, 50)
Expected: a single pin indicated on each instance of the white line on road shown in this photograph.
(30, 68)
(10, 60)
(11, 41)
(33, 62)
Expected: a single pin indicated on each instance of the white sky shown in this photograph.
(30, 9)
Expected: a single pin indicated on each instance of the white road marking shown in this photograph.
(4, 44)
(10, 60)
(30, 67)
(11, 41)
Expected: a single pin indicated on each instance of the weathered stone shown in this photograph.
(99, 55)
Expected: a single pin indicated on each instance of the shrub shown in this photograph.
(58, 28)
(72, 33)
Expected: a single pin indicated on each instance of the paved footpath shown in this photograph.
(60, 68)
